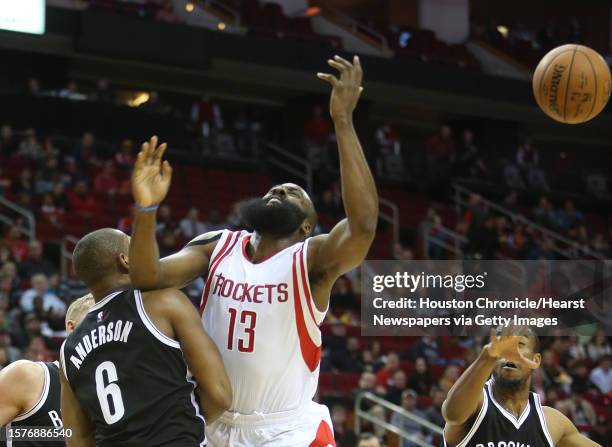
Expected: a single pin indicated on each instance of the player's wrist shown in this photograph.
(145, 208)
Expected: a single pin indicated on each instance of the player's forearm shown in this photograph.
(215, 403)
(358, 188)
(145, 268)
(465, 395)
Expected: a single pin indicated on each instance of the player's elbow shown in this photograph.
(453, 414)
(221, 395)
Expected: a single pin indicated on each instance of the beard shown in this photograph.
(509, 384)
(276, 220)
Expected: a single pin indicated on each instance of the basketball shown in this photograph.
(571, 84)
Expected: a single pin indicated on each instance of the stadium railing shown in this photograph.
(362, 415)
(563, 246)
(30, 230)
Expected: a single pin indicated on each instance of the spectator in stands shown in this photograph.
(317, 133)
(397, 387)
(369, 440)
(48, 176)
(37, 349)
(102, 93)
(40, 288)
(554, 374)
(469, 161)
(84, 153)
(168, 244)
(427, 347)
(8, 352)
(106, 180)
(71, 287)
(208, 119)
(5, 181)
(568, 217)
(245, 132)
(434, 412)
(30, 148)
(432, 236)
(367, 382)
(125, 222)
(60, 198)
(343, 435)
(409, 403)
(32, 331)
(33, 88)
(17, 247)
(25, 183)
(348, 357)
(385, 374)
(81, 202)
(420, 380)
(165, 221)
(601, 376)
(215, 222)
(71, 91)
(329, 205)
(36, 262)
(191, 225)
(581, 411)
(598, 346)
(49, 150)
(8, 142)
(125, 157)
(449, 377)
(440, 153)
(527, 157)
(389, 161)
(544, 214)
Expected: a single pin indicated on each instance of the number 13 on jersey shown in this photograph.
(246, 337)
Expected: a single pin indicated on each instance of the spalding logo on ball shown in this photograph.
(571, 84)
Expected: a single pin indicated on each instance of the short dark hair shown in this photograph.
(366, 436)
(95, 255)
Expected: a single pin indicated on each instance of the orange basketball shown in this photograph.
(571, 84)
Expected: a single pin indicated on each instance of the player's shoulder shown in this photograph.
(21, 375)
(558, 423)
(206, 240)
(167, 302)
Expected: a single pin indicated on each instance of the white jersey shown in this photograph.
(265, 323)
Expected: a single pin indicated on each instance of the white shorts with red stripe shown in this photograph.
(308, 426)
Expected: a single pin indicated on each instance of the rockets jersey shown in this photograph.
(45, 413)
(497, 427)
(263, 320)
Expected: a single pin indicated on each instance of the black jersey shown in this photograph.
(131, 379)
(497, 427)
(44, 414)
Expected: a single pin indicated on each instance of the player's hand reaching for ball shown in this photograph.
(346, 90)
(507, 345)
(151, 176)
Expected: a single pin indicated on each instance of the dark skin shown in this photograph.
(329, 255)
(174, 315)
(511, 356)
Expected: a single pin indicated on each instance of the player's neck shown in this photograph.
(109, 285)
(261, 247)
(514, 401)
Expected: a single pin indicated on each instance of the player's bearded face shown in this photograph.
(510, 378)
(278, 219)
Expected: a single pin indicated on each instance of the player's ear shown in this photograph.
(537, 357)
(306, 227)
(70, 325)
(124, 264)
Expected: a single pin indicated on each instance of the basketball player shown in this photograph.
(501, 411)
(267, 292)
(127, 368)
(30, 391)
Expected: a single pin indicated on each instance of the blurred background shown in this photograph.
(466, 164)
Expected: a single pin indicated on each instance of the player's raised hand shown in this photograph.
(347, 89)
(507, 345)
(151, 176)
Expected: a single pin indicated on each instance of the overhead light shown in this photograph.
(221, 26)
(503, 30)
(189, 7)
(138, 99)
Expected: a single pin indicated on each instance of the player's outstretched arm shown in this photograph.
(75, 418)
(347, 245)
(21, 384)
(201, 354)
(150, 183)
(564, 432)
